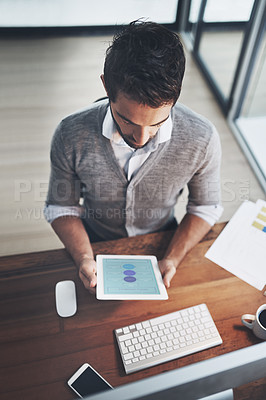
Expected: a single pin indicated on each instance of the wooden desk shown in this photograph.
(40, 351)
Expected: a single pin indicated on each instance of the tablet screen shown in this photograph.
(129, 276)
(124, 277)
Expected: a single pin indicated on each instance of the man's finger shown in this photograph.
(167, 277)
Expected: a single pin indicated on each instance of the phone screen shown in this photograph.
(89, 382)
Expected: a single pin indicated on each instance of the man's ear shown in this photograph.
(103, 81)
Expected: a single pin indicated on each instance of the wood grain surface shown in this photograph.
(40, 351)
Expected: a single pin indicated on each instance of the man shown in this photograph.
(132, 154)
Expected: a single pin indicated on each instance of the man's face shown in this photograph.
(137, 123)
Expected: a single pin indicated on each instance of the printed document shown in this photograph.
(241, 246)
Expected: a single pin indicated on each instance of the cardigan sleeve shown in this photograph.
(204, 188)
(64, 184)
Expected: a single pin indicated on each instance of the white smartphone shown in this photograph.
(87, 381)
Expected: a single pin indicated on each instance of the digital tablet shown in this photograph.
(129, 278)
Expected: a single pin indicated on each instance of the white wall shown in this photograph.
(41, 13)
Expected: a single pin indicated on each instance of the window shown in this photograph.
(229, 44)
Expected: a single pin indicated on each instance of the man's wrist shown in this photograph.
(84, 257)
(174, 261)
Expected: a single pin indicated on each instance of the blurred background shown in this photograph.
(51, 58)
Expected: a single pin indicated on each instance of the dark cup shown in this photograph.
(257, 323)
(262, 318)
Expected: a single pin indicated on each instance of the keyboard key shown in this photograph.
(128, 356)
(170, 336)
(125, 337)
(169, 349)
(146, 324)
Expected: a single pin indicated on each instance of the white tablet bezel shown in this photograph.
(100, 281)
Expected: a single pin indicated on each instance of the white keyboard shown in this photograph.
(167, 337)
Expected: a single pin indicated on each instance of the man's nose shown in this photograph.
(141, 135)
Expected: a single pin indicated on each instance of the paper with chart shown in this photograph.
(241, 246)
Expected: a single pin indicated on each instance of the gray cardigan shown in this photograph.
(81, 157)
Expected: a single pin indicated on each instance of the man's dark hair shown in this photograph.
(146, 62)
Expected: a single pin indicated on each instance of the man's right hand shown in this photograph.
(87, 273)
(72, 233)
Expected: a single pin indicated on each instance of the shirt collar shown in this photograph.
(110, 131)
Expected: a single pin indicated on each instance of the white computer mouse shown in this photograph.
(65, 298)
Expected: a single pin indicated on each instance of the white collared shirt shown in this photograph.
(129, 159)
